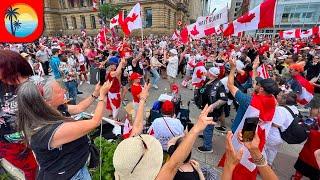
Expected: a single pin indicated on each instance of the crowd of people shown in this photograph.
(275, 80)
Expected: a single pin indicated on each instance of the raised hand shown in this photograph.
(256, 63)
(105, 88)
(232, 157)
(254, 144)
(204, 120)
(232, 62)
(145, 91)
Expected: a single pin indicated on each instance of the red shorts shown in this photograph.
(82, 68)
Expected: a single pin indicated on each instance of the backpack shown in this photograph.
(296, 133)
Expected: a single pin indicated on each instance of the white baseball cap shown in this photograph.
(214, 71)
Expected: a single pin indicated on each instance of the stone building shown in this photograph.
(69, 16)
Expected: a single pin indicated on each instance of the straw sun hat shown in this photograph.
(138, 157)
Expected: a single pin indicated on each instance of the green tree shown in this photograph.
(12, 14)
(108, 11)
(17, 25)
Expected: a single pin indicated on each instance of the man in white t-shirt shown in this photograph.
(281, 119)
(166, 127)
(172, 67)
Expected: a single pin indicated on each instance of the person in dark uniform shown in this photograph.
(215, 94)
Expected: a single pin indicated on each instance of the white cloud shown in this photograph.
(219, 4)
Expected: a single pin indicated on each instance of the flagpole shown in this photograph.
(141, 12)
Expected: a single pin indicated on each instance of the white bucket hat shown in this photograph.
(173, 51)
(138, 157)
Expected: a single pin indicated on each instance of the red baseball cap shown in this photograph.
(167, 107)
(135, 76)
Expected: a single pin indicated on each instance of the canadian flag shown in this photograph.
(126, 129)
(262, 106)
(308, 33)
(292, 33)
(262, 16)
(263, 71)
(307, 92)
(94, 3)
(195, 32)
(199, 75)
(219, 29)
(132, 21)
(176, 35)
(115, 20)
(184, 35)
(101, 38)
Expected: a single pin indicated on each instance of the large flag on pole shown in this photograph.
(262, 16)
(308, 33)
(132, 21)
(94, 3)
(115, 20)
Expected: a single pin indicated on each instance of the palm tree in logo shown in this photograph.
(17, 25)
(12, 14)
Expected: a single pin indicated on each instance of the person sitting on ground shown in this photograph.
(190, 169)
(60, 143)
(167, 127)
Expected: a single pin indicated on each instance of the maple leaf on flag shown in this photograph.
(132, 18)
(194, 31)
(246, 18)
(306, 32)
(113, 20)
(289, 33)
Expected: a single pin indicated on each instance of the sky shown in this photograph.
(219, 4)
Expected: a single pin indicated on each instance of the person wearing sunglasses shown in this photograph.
(140, 156)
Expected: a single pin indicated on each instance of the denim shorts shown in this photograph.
(82, 174)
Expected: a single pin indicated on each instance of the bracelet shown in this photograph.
(101, 100)
(94, 97)
(260, 162)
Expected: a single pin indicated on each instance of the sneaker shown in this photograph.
(88, 82)
(155, 86)
(81, 82)
(79, 92)
(204, 150)
(221, 129)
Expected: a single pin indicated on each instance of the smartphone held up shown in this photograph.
(249, 128)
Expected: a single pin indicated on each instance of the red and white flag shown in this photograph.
(115, 20)
(83, 32)
(262, 16)
(292, 33)
(126, 129)
(101, 38)
(308, 33)
(199, 75)
(184, 35)
(94, 3)
(176, 35)
(195, 32)
(132, 21)
(263, 71)
(262, 106)
(307, 92)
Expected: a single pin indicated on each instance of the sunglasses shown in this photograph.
(145, 149)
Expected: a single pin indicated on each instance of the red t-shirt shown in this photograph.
(307, 152)
(135, 91)
(115, 87)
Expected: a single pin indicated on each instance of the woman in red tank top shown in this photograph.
(114, 96)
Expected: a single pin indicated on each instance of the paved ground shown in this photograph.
(283, 164)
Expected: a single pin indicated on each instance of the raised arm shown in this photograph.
(137, 126)
(169, 170)
(255, 66)
(84, 104)
(70, 131)
(232, 88)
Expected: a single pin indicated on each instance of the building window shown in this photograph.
(238, 3)
(74, 22)
(89, 3)
(169, 18)
(83, 22)
(93, 22)
(307, 15)
(285, 17)
(71, 4)
(81, 3)
(62, 4)
(65, 22)
(148, 15)
(236, 9)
